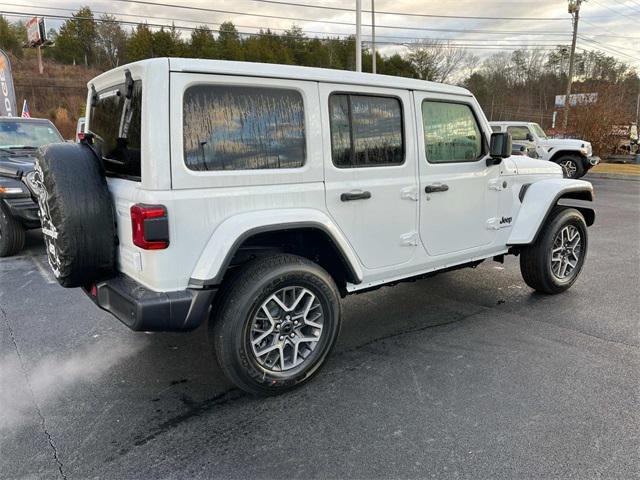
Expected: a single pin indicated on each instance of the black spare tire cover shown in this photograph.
(76, 212)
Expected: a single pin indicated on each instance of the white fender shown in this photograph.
(233, 231)
(539, 199)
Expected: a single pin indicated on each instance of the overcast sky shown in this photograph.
(607, 25)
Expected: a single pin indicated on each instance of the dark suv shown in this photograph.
(19, 140)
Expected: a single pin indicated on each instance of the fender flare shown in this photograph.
(539, 198)
(231, 233)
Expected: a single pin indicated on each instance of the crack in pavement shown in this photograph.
(33, 397)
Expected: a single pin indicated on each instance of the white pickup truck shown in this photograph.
(574, 156)
(255, 196)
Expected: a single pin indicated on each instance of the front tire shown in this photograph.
(571, 166)
(12, 234)
(274, 323)
(553, 263)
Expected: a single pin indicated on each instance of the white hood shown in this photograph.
(534, 166)
(565, 144)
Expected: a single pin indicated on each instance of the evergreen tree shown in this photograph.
(230, 46)
(76, 39)
(202, 43)
(140, 44)
(12, 36)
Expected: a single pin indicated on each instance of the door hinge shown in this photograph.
(410, 193)
(409, 239)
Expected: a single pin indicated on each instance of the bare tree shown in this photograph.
(436, 60)
(111, 41)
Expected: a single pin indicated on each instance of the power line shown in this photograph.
(615, 11)
(444, 30)
(623, 4)
(381, 12)
(609, 48)
(333, 22)
(177, 27)
(199, 23)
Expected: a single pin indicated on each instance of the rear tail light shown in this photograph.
(150, 226)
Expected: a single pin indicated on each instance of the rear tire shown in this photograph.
(12, 234)
(571, 166)
(274, 323)
(553, 263)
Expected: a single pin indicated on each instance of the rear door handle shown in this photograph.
(436, 187)
(355, 195)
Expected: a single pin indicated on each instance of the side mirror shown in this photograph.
(500, 147)
(530, 137)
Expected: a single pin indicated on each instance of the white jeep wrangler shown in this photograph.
(256, 196)
(574, 156)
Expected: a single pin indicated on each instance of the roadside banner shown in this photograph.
(8, 106)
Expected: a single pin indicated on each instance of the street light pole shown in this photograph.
(373, 36)
(574, 9)
(358, 35)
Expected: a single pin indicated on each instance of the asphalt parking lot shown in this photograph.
(464, 375)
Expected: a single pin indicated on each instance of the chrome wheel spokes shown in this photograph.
(565, 252)
(286, 329)
(569, 168)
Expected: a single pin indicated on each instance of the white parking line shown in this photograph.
(44, 270)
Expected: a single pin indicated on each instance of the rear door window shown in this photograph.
(230, 127)
(366, 131)
(115, 121)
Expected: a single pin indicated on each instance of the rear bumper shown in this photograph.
(142, 309)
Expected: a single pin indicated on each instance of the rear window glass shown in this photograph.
(116, 124)
(518, 133)
(243, 128)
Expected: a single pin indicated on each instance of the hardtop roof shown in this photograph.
(293, 72)
(509, 123)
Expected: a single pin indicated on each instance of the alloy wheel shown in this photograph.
(569, 168)
(565, 252)
(286, 329)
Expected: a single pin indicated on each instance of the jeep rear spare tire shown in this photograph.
(76, 212)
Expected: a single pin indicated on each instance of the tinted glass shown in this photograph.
(366, 131)
(117, 135)
(22, 133)
(451, 133)
(518, 133)
(496, 129)
(538, 130)
(241, 128)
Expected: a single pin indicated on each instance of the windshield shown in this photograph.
(538, 131)
(21, 134)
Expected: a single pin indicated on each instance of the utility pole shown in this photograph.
(358, 35)
(638, 111)
(373, 36)
(574, 9)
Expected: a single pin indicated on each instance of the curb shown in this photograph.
(613, 176)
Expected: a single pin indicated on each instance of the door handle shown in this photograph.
(436, 187)
(355, 195)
